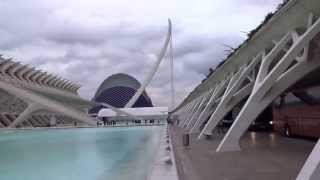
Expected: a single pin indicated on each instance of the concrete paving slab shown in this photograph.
(264, 156)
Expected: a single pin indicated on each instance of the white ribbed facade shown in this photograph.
(33, 98)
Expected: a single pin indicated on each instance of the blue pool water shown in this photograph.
(78, 154)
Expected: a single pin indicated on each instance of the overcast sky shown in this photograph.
(88, 40)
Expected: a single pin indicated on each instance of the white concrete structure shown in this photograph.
(31, 97)
(285, 49)
(154, 69)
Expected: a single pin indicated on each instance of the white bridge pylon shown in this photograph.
(147, 79)
(154, 69)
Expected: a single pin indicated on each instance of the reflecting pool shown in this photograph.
(79, 154)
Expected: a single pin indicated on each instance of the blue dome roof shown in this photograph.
(117, 90)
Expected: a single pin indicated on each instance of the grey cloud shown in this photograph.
(213, 52)
(89, 50)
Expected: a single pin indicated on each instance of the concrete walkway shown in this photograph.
(264, 156)
(162, 170)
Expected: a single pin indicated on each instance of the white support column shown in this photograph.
(53, 121)
(189, 115)
(37, 74)
(186, 113)
(2, 125)
(44, 120)
(6, 65)
(53, 81)
(14, 69)
(183, 112)
(42, 78)
(29, 121)
(206, 111)
(32, 107)
(34, 121)
(28, 74)
(311, 168)
(47, 103)
(61, 83)
(6, 119)
(199, 109)
(270, 84)
(235, 93)
(55, 84)
(39, 120)
(193, 112)
(48, 80)
(64, 84)
(22, 71)
(68, 86)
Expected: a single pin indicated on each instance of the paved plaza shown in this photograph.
(264, 156)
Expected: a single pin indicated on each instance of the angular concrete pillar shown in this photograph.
(194, 107)
(238, 89)
(198, 109)
(311, 168)
(32, 107)
(272, 81)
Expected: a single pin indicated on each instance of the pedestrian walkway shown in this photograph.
(264, 156)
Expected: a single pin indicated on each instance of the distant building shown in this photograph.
(117, 90)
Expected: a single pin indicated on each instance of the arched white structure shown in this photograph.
(152, 72)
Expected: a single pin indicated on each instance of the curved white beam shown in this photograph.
(14, 69)
(6, 65)
(67, 84)
(21, 71)
(36, 75)
(27, 74)
(64, 82)
(48, 79)
(57, 82)
(53, 80)
(153, 70)
(43, 77)
(40, 77)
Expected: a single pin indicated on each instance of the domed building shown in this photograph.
(117, 90)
